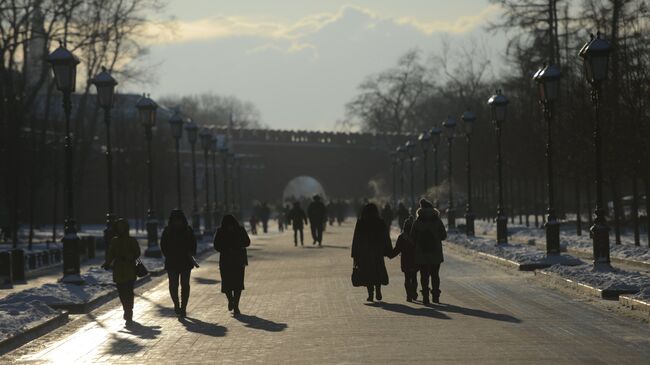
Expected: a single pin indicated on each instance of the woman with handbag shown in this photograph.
(231, 241)
(178, 245)
(371, 242)
(122, 254)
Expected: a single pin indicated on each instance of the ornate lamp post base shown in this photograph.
(552, 227)
(469, 224)
(71, 262)
(207, 217)
(451, 218)
(153, 250)
(600, 234)
(502, 229)
(108, 231)
(196, 223)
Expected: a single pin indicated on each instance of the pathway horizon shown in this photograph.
(300, 307)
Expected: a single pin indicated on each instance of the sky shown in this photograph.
(299, 61)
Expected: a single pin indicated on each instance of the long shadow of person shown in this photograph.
(204, 328)
(450, 308)
(142, 331)
(405, 309)
(206, 281)
(261, 323)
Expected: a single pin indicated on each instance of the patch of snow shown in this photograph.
(611, 278)
(17, 317)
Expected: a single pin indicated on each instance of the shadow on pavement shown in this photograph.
(405, 309)
(142, 331)
(206, 281)
(450, 308)
(258, 323)
(339, 247)
(121, 345)
(204, 328)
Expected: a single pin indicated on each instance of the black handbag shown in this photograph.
(356, 277)
(140, 269)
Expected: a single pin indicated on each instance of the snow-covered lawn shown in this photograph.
(610, 279)
(18, 317)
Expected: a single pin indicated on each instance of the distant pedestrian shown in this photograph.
(298, 219)
(178, 245)
(121, 256)
(341, 211)
(387, 215)
(265, 215)
(253, 222)
(371, 242)
(427, 233)
(231, 241)
(402, 214)
(406, 248)
(331, 212)
(317, 214)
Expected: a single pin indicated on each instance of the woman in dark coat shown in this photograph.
(231, 241)
(370, 244)
(121, 256)
(178, 244)
(427, 233)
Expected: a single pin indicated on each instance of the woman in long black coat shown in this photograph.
(231, 241)
(370, 244)
(178, 245)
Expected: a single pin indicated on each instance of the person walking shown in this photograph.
(265, 215)
(370, 243)
(427, 234)
(178, 245)
(387, 215)
(231, 241)
(121, 256)
(402, 214)
(298, 219)
(317, 214)
(406, 248)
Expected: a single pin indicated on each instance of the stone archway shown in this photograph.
(302, 187)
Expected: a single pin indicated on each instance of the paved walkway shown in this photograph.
(299, 307)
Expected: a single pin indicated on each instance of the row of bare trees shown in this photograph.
(419, 93)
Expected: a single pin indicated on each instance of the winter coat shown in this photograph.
(231, 245)
(178, 245)
(122, 253)
(317, 213)
(406, 248)
(297, 217)
(371, 242)
(427, 233)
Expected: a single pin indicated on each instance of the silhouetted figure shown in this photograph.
(331, 212)
(298, 219)
(371, 242)
(402, 214)
(281, 218)
(427, 233)
(341, 210)
(387, 215)
(265, 215)
(317, 214)
(253, 222)
(178, 245)
(121, 256)
(406, 248)
(231, 241)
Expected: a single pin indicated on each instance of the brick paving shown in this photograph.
(299, 307)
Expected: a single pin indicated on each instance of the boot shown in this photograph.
(378, 292)
(409, 293)
(425, 296)
(371, 294)
(235, 299)
(230, 301)
(435, 296)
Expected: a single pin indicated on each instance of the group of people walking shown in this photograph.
(316, 217)
(178, 244)
(419, 245)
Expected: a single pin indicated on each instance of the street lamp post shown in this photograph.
(394, 159)
(233, 191)
(435, 141)
(425, 141)
(468, 119)
(105, 85)
(401, 153)
(176, 122)
(548, 80)
(64, 65)
(147, 113)
(410, 150)
(450, 126)
(206, 142)
(215, 183)
(224, 156)
(192, 135)
(498, 106)
(595, 55)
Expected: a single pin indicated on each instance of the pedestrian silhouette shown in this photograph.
(406, 248)
(178, 245)
(265, 215)
(317, 214)
(341, 211)
(331, 212)
(121, 256)
(298, 219)
(253, 222)
(387, 215)
(231, 241)
(371, 242)
(402, 214)
(427, 233)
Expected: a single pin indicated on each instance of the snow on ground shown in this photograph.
(644, 294)
(17, 317)
(569, 238)
(614, 279)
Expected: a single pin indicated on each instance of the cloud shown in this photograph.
(462, 24)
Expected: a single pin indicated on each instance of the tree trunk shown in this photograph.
(616, 210)
(578, 213)
(635, 209)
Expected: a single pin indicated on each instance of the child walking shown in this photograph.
(406, 247)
